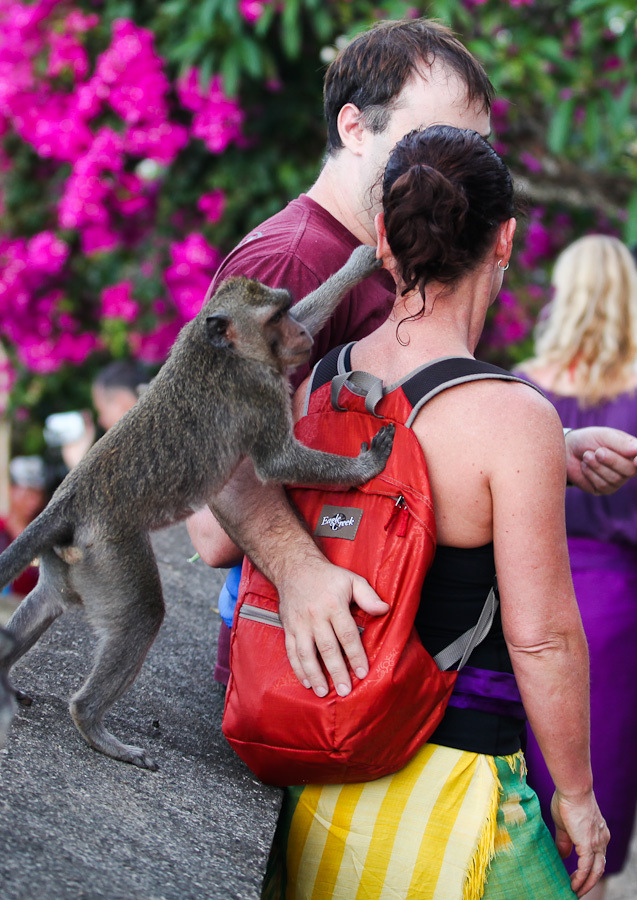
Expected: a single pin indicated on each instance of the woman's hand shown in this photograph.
(580, 824)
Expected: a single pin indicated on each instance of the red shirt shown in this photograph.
(298, 249)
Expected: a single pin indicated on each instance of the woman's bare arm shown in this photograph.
(541, 620)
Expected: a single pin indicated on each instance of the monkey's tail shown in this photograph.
(47, 529)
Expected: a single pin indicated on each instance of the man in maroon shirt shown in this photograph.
(388, 81)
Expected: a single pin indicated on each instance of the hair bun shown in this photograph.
(445, 191)
(425, 214)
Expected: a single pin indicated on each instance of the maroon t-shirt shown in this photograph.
(298, 249)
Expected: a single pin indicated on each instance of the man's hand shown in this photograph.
(315, 612)
(580, 824)
(600, 460)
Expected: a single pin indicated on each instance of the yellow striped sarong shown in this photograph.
(426, 832)
(451, 825)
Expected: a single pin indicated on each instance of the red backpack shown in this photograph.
(385, 531)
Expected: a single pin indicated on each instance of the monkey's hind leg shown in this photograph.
(7, 694)
(121, 590)
(51, 596)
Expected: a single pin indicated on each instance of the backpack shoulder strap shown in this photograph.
(418, 386)
(334, 363)
(434, 377)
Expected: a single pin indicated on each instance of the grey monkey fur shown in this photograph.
(222, 395)
(7, 698)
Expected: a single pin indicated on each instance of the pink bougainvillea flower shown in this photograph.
(99, 239)
(66, 53)
(218, 119)
(7, 380)
(252, 10)
(500, 109)
(194, 263)
(531, 162)
(510, 323)
(117, 302)
(78, 22)
(539, 244)
(212, 205)
(153, 347)
(47, 253)
(195, 251)
(44, 355)
(48, 122)
(160, 141)
(132, 75)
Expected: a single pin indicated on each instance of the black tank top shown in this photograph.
(453, 594)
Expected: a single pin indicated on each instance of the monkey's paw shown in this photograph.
(381, 444)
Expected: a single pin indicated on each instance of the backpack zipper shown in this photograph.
(256, 614)
(399, 513)
(266, 616)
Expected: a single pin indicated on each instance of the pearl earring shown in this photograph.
(500, 266)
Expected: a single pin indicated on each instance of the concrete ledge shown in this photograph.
(75, 824)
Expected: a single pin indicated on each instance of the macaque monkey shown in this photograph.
(7, 698)
(221, 396)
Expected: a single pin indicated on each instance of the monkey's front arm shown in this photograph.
(295, 463)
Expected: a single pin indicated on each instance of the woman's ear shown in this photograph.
(382, 247)
(504, 243)
(383, 250)
(350, 128)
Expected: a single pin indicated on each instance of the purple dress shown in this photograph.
(602, 539)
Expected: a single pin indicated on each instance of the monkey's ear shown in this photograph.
(217, 328)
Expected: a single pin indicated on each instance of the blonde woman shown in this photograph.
(585, 362)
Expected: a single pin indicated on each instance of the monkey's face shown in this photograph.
(255, 322)
(290, 342)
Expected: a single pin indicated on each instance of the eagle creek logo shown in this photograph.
(339, 521)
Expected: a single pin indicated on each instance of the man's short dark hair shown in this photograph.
(126, 374)
(374, 67)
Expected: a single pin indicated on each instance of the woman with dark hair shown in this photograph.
(459, 820)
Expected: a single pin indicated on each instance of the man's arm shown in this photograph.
(314, 594)
(600, 460)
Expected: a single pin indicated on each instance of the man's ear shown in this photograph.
(217, 330)
(351, 128)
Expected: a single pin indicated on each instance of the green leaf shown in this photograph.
(206, 69)
(251, 56)
(628, 40)
(619, 107)
(560, 126)
(577, 7)
(230, 12)
(174, 9)
(208, 12)
(230, 69)
(262, 26)
(291, 29)
(630, 235)
(592, 128)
